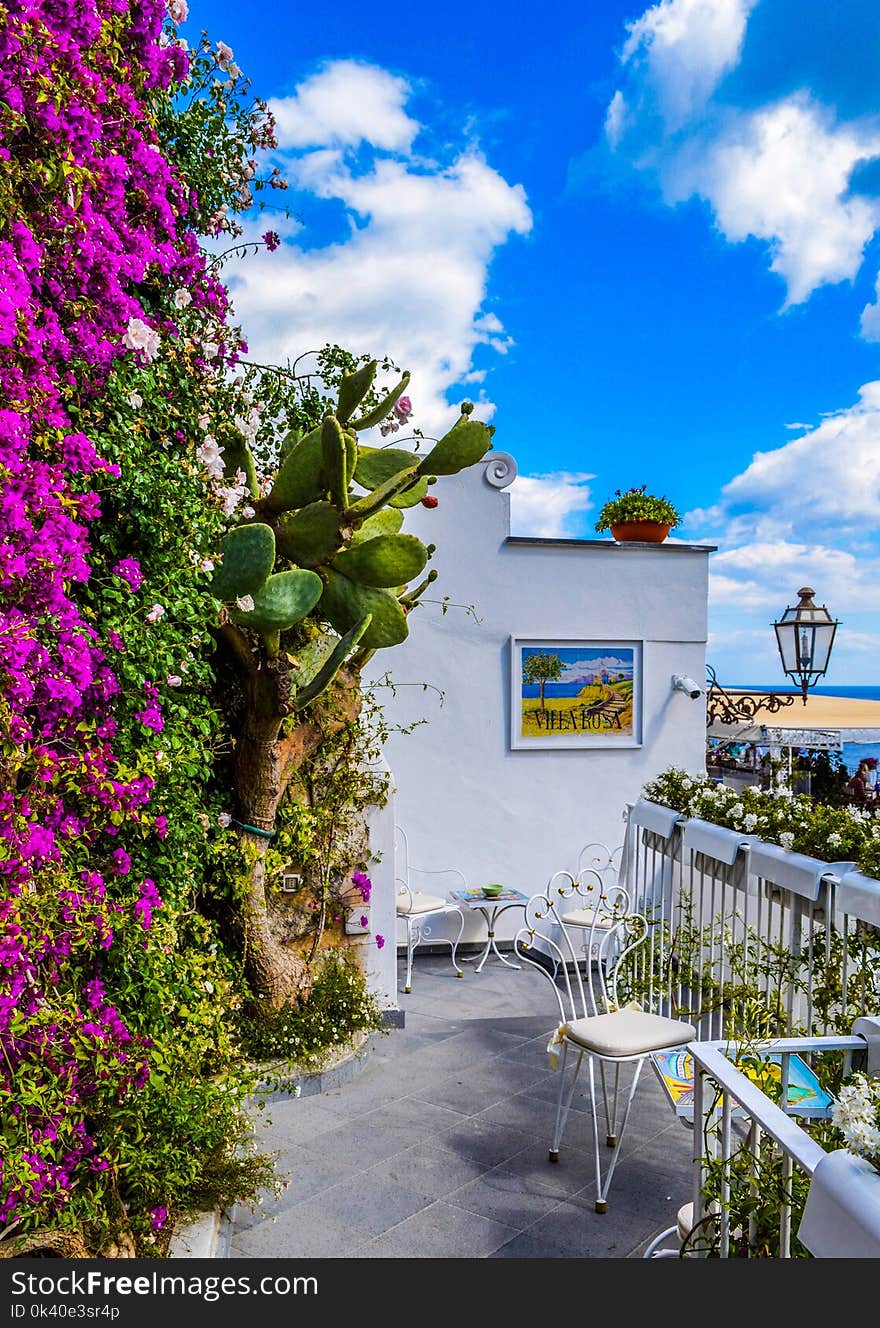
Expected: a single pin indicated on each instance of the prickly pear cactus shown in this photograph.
(326, 542)
(319, 575)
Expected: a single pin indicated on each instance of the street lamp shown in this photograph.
(805, 635)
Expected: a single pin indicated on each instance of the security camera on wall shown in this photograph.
(682, 683)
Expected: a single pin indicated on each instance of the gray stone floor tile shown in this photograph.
(441, 1231)
(428, 1169)
(305, 1173)
(505, 1197)
(484, 1141)
(296, 1234)
(366, 1203)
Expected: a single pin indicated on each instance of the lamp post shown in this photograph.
(804, 634)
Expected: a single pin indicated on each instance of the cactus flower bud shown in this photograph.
(428, 501)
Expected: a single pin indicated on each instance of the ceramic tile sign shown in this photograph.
(575, 693)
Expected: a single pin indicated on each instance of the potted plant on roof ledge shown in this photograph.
(633, 515)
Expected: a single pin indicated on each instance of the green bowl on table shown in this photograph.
(492, 891)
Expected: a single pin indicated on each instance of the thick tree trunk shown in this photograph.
(266, 758)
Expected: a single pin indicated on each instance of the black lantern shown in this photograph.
(805, 635)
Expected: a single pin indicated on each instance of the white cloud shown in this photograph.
(830, 475)
(548, 506)
(411, 277)
(346, 103)
(615, 118)
(595, 664)
(781, 173)
(684, 48)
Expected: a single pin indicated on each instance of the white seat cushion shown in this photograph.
(684, 1220)
(415, 902)
(628, 1033)
(583, 917)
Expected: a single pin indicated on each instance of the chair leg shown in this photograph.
(562, 1110)
(603, 1186)
(410, 946)
(455, 943)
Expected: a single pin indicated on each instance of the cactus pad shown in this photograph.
(466, 443)
(345, 604)
(388, 560)
(298, 481)
(352, 390)
(310, 535)
(375, 465)
(284, 600)
(385, 522)
(378, 413)
(333, 449)
(248, 559)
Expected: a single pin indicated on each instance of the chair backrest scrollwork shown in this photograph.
(614, 932)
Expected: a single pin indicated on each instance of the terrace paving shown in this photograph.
(437, 1148)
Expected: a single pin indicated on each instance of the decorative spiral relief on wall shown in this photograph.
(500, 469)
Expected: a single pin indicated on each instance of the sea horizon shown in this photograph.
(852, 752)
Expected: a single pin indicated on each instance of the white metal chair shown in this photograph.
(592, 1022)
(418, 910)
(599, 866)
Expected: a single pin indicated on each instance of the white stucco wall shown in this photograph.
(463, 796)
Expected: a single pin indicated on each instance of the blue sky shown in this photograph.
(645, 237)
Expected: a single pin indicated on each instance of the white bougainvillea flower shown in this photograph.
(174, 680)
(245, 603)
(135, 400)
(156, 612)
(178, 11)
(139, 336)
(182, 298)
(224, 820)
(224, 54)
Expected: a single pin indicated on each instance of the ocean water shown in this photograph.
(853, 752)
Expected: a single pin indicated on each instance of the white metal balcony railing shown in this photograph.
(841, 1217)
(732, 915)
(772, 950)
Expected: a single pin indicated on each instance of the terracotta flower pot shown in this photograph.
(644, 532)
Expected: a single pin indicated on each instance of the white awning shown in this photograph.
(770, 736)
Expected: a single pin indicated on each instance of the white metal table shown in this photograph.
(491, 907)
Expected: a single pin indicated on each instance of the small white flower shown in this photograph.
(750, 820)
(224, 54)
(182, 298)
(174, 680)
(210, 453)
(786, 839)
(156, 612)
(210, 349)
(204, 421)
(224, 820)
(135, 400)
(178, 11)
(834, 839)
(248, 512)
(245, 603)
(209, 987)
(233, 70)
(139, 336)
(206, 565)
